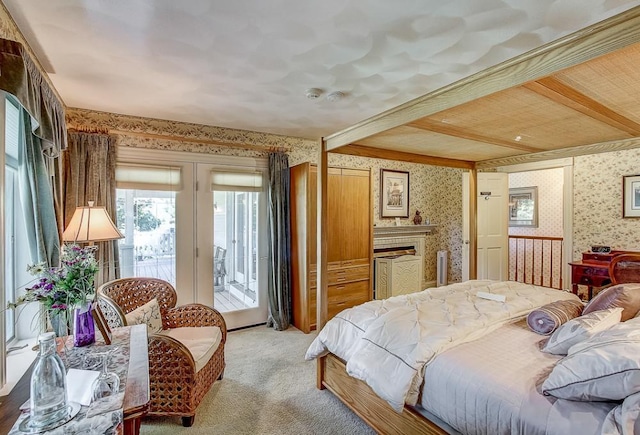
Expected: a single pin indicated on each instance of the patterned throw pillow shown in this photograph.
(581, 328)
(148, 313)
(604, 367)
(626, 296)
(548, 318)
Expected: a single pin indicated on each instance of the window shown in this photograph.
(16, 255)
(12, 119)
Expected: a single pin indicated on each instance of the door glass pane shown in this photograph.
(235, 239)
(147, 220)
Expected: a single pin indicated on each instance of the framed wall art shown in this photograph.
(523, 207)
(631, 196)
(394, 194)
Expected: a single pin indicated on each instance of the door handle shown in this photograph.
(466, 242)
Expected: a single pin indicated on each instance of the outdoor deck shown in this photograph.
(162, 268)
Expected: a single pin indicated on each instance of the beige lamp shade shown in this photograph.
(90, 224)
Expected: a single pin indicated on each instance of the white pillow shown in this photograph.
(581, 328)
(148, 313)
(602, 368)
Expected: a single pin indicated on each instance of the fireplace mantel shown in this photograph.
(402, 231)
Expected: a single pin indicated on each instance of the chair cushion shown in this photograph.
(202, 342)
(148, 313)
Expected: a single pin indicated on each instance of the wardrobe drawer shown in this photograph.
(346, 296)
(348, 274)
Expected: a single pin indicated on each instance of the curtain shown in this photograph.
(89, 164)
(44, 135)
(20, 77)
(36, 197)
(279, 236)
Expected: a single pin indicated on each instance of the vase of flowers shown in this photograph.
(61, 289)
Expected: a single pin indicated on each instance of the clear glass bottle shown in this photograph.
(48, 401)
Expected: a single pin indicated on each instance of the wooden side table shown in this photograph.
(136, 395)
(591, 274)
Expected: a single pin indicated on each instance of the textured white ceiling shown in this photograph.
(247, 63)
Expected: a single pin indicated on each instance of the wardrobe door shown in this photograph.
(356, 217)
(336, 217)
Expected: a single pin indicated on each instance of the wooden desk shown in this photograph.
(591, 274)
(593, 270)
(136, 396)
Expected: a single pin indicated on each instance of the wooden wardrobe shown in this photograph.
(349, 241)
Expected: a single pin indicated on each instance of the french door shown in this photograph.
(204, 233)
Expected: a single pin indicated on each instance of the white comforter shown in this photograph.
(387, 343)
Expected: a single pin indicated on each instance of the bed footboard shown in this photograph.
(359, 397)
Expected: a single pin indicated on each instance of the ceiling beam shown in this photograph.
(561, 93)
(453, 130)
(381, 153)
(603, 147)
(606, 36)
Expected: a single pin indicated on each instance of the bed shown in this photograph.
(478, 383)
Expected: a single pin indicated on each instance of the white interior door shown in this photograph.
(492, 226)
(465, 226)
(492, 230)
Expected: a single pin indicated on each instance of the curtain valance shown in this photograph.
(20, 77)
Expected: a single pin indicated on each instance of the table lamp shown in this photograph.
(90, 224)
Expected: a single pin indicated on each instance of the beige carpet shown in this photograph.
(268, 388)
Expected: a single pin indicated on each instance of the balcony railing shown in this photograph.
(536, 260)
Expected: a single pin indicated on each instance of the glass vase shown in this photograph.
(83, 327)
(60, 323)
(48, 400)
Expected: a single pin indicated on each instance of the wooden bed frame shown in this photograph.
(378, 414)
(361, 399)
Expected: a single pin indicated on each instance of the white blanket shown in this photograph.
(387, 343)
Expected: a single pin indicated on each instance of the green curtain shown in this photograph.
(279, 239)
(36, 197)
(42, 139)
(20, 77)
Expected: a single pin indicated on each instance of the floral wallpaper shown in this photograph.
(597, 202)
(139, 132)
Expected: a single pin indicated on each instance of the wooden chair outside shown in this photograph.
(176, 387)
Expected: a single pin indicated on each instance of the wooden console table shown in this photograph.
(136, 392)
(593, 270)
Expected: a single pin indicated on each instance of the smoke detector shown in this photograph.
(313, 93)
(335, 96)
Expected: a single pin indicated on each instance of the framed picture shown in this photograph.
(523, 207)
(394, 194)
(631, 196)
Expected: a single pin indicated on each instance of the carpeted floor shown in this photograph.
(268, 388)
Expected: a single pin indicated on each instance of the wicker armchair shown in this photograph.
(176, 386)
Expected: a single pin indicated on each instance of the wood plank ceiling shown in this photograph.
(577, 96)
